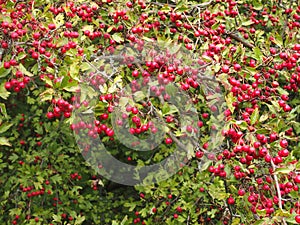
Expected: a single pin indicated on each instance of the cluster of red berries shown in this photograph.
(62, 107)
(75, 176)
(18, 83)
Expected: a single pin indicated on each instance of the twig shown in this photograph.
(202, 5)
(88, 62)
(237, 38)
(188, 219)
(228, 206)
(169, 206)
(278, 190)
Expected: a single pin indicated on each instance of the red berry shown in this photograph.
(50, 115)
(35, 55)
(225, 69)
(230, 201)
(168, 141)
(51, 26)
(179, 209)
(297, 218)
(297, 179)
(134, 110)
(7, 85)
(237, 67)
(284, 143)
(241, 192)
(199, 154)
(6, 65)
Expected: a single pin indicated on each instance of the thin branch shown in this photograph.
(278, 190)
(237, 38)
(202, 5)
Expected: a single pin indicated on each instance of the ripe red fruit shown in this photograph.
(51, 26)
(197, 33)
(225, 69)
(7, 85)
(237, 67)
(241, 192)
(109, 132)
(175, 216)
(6, 65)
(189, 46)
(134, 110)
(284, 143)
(272, 51)
(135, 73)
(297, 218)
(200, 124)
(297, 179)
(189, 128)
(179, 209)
(129, 4)
(283, 153)
(35, 55)
(36, 36)
(230, 201)
(50, 115)
(168, 141)
(199, 154)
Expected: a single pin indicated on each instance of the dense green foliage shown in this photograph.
(238, 63)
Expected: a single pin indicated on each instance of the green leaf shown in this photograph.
(278, 40)
(4, 72)
(71, 89)
(282, 91)
(262, 221)
(56, 179)
(79, 220)
(254, 116)
(117, 37)
(215, 26)
(130, 205)
(74, 70)
(236, 221)
(139, 95)
(174, 49)
(258, 54)
(169, 109)
(263, 117)
(282, 170)
(229, 100)
(3, 110)
(47, 80)
(171, 90)
(124, 220)
(13, 157)
(4, 127)
(59, 20)
(257, 5)
(85, 66)
(3, 92)
(21, 55)
(89, 28)
(4, 141)
(25, 71)
(247, 23)
(56, 218)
